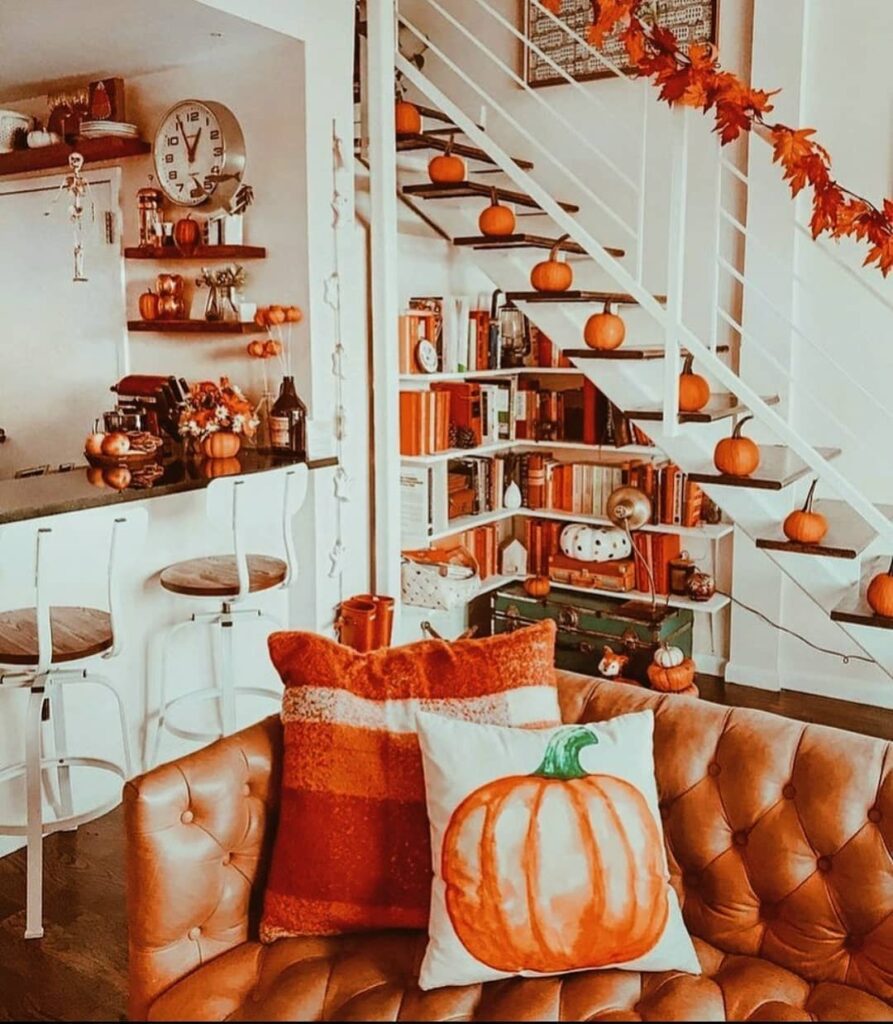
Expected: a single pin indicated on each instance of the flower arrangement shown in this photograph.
(211, 408)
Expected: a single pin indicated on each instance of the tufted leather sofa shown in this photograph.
(780, 840)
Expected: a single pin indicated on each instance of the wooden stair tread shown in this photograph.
(854, 608)
(462, 189)
(574, 295)
(217, 575)
(76, 633)
(525, 241)
(719, 407)
(847, 537)
(779, 467)
(624, 352)
(422, 140)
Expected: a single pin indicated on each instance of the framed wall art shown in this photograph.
(690, 20)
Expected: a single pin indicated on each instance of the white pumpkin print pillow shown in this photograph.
(548, 852)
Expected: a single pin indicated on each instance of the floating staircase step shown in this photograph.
(572, 295)
(624, 352)
(847, 537)
(854, 608)
(779, 467)
(462, 189)
(718, 408)
(412, 143)
(524, 241)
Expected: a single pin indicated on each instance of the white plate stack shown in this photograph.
(108, 129)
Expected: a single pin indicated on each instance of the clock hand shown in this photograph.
(189, 153)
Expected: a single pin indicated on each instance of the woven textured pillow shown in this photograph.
(352, 850)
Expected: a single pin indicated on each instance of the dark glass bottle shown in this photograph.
(288, 421)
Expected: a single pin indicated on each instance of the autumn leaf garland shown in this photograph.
(696, 80)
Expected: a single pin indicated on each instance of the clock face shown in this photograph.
(191, 152)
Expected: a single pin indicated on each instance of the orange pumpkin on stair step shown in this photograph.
(694, 390)
(737, 455)
(447, 169)
(803, 525)
(407, 119)
(605, 330)
(496, 220)
(880, 594)
(552, 274)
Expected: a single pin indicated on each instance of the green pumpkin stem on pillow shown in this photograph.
(562, 757)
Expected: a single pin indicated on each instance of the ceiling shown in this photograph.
(51, 44)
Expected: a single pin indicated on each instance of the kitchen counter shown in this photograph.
(55, 493)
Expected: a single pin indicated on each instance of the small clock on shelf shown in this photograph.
(199, 153)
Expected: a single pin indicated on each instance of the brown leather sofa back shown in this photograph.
(780, 839)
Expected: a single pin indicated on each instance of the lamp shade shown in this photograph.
(630, 507)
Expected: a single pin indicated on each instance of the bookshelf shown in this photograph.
(532, 371)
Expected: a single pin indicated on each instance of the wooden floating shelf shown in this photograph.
(432, 378)
(719, 407)
(193, 326)
(525, 241)
(201, 252)
(572, 295)
(854, 608)
(655, 352)
(463, 189)
(847, 537)
(423, 140)
(779, 467)
(21, 161)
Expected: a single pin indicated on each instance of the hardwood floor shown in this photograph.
(78, 971)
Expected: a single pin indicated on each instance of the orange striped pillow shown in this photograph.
(352, 850)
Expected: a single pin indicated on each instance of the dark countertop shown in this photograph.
(85, 487)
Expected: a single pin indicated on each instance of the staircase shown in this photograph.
(716, 314)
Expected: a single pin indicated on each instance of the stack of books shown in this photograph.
(424, 422)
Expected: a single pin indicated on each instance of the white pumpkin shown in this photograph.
(594, 543)
(668, 657)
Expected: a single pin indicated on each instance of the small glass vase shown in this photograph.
(214, 308)
(262, 438)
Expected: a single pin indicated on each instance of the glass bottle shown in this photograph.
(288, 421)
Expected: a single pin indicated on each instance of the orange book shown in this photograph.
(409, 438)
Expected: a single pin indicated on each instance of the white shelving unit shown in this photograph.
(530, 371)
(596, 450)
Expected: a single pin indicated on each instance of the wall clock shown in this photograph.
(199, 153)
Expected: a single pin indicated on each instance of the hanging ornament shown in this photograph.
(336, 559)
(77, 188)
(332, 292)
(342, 484)
(338, 359)
(340, 423)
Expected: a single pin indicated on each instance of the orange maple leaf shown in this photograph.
(552, 5)
(607, 14)
(882, 255)
(791, 145)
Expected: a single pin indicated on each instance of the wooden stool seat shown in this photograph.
(218, 575)
(77, 633)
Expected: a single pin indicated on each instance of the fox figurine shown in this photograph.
(612, 665)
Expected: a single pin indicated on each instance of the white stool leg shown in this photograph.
(34, 819)
(63, 772)
(227, 677)
(153, 741)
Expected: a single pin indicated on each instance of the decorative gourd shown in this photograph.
(149, 305)
(803, 526)
(737, 455)
(552, 275)
(502, 842)
(594, 543)
(496, 220)
(407, 118)
(170, 307)
(671, 678)
(537, 586)
(668, 657)
(222, 444)
(605, 330)
(880, 593)
(187, 234)
(694, 390)
(169, 284)
(447, 169)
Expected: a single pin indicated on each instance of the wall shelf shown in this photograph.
(533, 371)
(601, 451)
(193, 326)
(201, 252)
(21, 161)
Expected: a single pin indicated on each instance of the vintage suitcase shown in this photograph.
(619, 575)
(589, 622)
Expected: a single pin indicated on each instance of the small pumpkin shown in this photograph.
(880, 594)
(668, 657)
(671, 679)
(447, 169)
(694, 390)
(149, 305)
(496, 220)
(407, 119)
(537, 586)
(501, 842)
(187, 234)
(222, 444)
(256, 348)
(605, 330)
(803, 525)
(553, 274)
(737, 455)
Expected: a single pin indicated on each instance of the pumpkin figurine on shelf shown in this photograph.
(880, 594)
(447, 169)
(671, 672)
(605, 330)
(407, 119)
(804, 525)
(694, 390)
(537, 586)
(737, 455)
(149, 305)
(496, 220)
(553, 275)
(187, 235)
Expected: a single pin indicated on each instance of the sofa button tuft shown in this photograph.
(246, 790)
(187, 817)
(874, 815)
(789, 792)
(713, 769)
(853, 942)
(823, 864)
(768, 911)
(194, 933)
(739, 838)
(227, 857)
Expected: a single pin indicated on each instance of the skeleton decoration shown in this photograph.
(77, 188)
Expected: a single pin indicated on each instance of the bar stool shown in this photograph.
(44, 649)
(230, 579)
